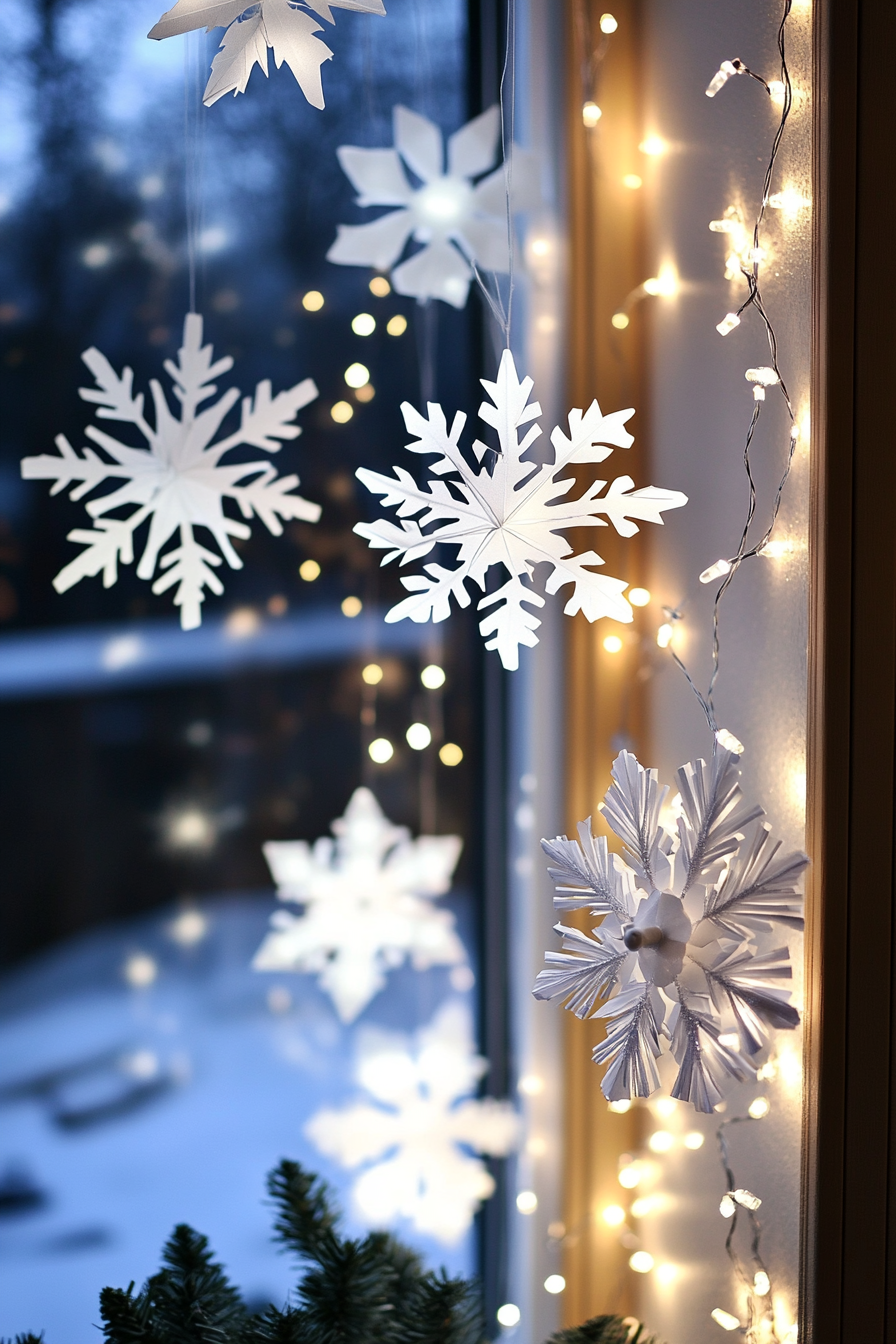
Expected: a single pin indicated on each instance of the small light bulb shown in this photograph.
(418, 737)
(620, 1107)
(357, 375)
(664, 635)
(728, 323)
(761, 1283)
(721, 77)
(722, 225)
(530, 1085)
(365, 393)
(632, 181)
(140, 970)
(620, 321)
(397, 325)
(381, 750)
(591, 114)
(630, 1176)
(727, 1207)
(509, 1315)
(642, 1207)
(342, 412)
(608, 23)
(715, 571)
(613, 1215)
(652, 286)
(450, 754)
(613, 644)
(667, 1274)
(747, 1199)
(653, 145)
(776, 90)
(352, 607)
(641, 1262)
(730, 1040)
(309, 570)
(664, 1106)
(764, 376)
(372, 674)
(554, 1283)
(527, 1201)
(364, 324)
(725, 1319)
(379, 287)
(759, 1107)
(432, 677)
(776, 550)
(693, 1140)
(313, 301)
(729, 742)
(661, 1141)
(639, 597)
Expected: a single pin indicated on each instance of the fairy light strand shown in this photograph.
(755, 1314)
(755, 301)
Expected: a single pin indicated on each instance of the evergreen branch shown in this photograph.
(191, 1297)
(305, 1222)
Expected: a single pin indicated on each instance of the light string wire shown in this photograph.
(767, 1311)
(503, 314)
(194, 145)
(753, 300)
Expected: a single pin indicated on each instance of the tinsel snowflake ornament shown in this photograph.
(511, 512)
(459, 220)
(177, 483)
(417, 1135)
(676, 955)
(367, 899)
(287, 27)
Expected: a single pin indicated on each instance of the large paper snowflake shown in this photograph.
(510, 512)
(367, 898)
(177, 482)
(458, 219)
(676, 954)
(288, 27)
(416, 1137)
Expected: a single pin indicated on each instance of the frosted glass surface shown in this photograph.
(699, 412)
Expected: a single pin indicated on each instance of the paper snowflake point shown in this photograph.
(455, 209)
(286, 27)
(676, 953)
(511, 512)
(367, 898)
(417, 1139)
(177, 483)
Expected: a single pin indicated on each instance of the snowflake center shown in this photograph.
(443, 203)
(635, 939)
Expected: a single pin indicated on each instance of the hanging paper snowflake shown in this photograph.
(286, 26)
(416, 1137)
(510, 512)
(177, 483)
(458, 219)
(678, 936)
(367, 898)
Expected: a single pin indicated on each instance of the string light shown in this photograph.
(364, 324)
(372, 674)
(759, 1107)
(725, 1319)
(342, 412)
(313, 301)
(379, 287)
(620, 1107)
(664, 635)
(727, 324)
(450, 754)
(761, 1283)
(613, 644)
(613, 1215)
(508, 1315)
(608, 23)
(716, 571)
(641, 1262)
(554, 1283)
(727, 1207)
(693, 1140)
(527, 1201)
(357, 375)
(418, 737)
(309, 570)
(352, 607)
(433, 677)
(722, 76)
(381, 750)
(632, 182)
(591, 114)
(776, 550)
(397, 325)
(653, 146)
(729, 741)
(661, 1141)
(639, 597)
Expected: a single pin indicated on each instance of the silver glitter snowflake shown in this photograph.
(676, 954)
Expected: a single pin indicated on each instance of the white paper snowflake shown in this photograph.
(416, 1137)
(458, 219)
(367, 898)
(676, 955)
(510, 512)
(176, 483)
(288, 27)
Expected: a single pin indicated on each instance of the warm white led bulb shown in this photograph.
(554, 1283)
(761, 1283)
(608, 23)
(725, 1319)
(433, 677)
(729, 742)
(716, 571)
(591, 114)
(728, 323)
(418, 737)
(641, 1262)
(664, 635)
(613, 1215)
(661, 1141)
(763, 376)
(721, 77)
(727, 1207)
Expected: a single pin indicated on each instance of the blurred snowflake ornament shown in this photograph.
(510, 512)
(416, 1137)
(176, 483)
(367, 898)
(287, 27)
(676, 953)
(460, 221)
